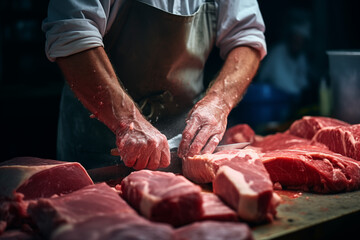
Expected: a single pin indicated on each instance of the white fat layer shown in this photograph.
(147, 201)
(248, 198)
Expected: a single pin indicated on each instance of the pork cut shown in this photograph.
(211, 230)
(114, 227)
(89, 202)
(215, 209)
(308, 126)
(203, 168)
(311, 169)
(36, 177)
(163, 196)
(341, 139)
(245, 185)
(279, 141)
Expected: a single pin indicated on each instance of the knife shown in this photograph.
(175, 142)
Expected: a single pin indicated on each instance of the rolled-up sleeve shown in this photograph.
(240, 23)
(73, 26)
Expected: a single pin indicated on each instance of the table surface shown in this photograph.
(300, 210)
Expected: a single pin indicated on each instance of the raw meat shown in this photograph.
(307, 126)
(211, 230)
(89, 202)
(344, 140)
(245, 185)
(279, 141)
(36, 177)
(238, 133)
(202, 168)
(313, 170)
(114, 227)
(215, 209)
(163, 196)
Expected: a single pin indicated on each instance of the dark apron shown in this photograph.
(159, 58)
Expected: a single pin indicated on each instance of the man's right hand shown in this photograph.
(140, 145)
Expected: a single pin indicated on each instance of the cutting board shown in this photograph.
(313, 216)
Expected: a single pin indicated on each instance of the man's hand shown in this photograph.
(140, 146)
(207, 121)
(205, 127)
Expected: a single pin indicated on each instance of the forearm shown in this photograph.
(93, 80)
(234, 78)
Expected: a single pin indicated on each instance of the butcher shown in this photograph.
(134, 75)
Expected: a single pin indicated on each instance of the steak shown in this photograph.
(215, 209)
(238, 133)
(211, 230)
(308, 126)
(114, 227)
(279, 141)
(203, 168)
(36, 177)
(311, 169)
(163, 196)
(89, 202)
(342, 139)
(245, 185)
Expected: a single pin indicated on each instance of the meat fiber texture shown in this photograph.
(114, 227)
(36, 177)
(163, 197)
(203, 168)
(211, 230)
(315, 170)
(245, 185)
(89, 202)
(308, 126)
(215, 209)
(341, 139)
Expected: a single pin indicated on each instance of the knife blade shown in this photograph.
(175, 142)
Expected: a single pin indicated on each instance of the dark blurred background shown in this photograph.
(30, 85)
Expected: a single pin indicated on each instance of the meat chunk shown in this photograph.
(342, 139)
(279, 141)
(163, 197)
(307, 126)
(209, 230)
(89, 202)
(238, 133)
(202, 168)
(215, 209)
(313, 170)
(245, 185)
(113, 227)
(36, 177)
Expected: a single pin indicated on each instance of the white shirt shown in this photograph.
(73, 26)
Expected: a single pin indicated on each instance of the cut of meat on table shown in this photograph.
(18, 235)
(163, 196)
(308, 126)
(212, 230)
(245, 185)
(238, 133)
(13, 212)
(202, 168)
(313, 170)
(344, 140)
(89, 202)
(114, 227)
(36, 177)
(215, 209)
(279, 141)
